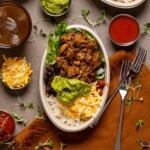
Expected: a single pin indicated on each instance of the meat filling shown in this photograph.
(78, 57)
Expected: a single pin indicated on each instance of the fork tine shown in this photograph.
(141, 60)
(138, 61)
(135, 62)
(128, 63)
(120, 76)
(124, 69)
(129, 78)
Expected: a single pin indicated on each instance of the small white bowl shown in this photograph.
(127, 44)
(43, 94)
(123, 5)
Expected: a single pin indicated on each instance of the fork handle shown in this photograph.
(118, 140)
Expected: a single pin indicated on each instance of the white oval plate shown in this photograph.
(43, 95)
(123, 5)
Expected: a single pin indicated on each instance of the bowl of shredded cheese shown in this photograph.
(16, 72)
(126, 4)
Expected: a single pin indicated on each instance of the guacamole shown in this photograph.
(55, 6)
(68, 89)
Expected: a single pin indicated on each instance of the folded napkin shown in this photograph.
(103, 136)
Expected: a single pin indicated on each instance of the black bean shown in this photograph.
(50, 72)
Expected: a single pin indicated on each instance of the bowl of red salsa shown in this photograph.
(7, 126)
(124, 30)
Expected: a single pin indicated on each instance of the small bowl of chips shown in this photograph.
(16, 72)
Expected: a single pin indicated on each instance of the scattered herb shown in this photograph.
(19, 119)
(62, 145)
(42, 33)
(146, 28)
(24, 105)
(143, 144)
(99, 20)
(139, 123)
(31, 105)
(127, 87)
(35, 27)
(41, 117)
(136, 92)
(49, 143)
(39, 32)
(129, 101)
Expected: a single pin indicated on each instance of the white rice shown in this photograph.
(58, 110)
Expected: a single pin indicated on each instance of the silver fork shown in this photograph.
(123, 90)
(133, 71)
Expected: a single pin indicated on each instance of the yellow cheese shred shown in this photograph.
(16, 72)
(83, 108)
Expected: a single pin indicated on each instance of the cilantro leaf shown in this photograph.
(85, 12)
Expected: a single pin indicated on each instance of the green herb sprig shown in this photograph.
(139, 124)
(136, 92)
(49, 143)
(62, 145)
(19, 119)
(99, 20)
(31, 105)
(85, 15)
(38, 31)
(143, 144)
(146, 28)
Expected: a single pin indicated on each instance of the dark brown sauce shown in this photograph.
(14, 25)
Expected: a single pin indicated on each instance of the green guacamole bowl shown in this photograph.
(55, 8)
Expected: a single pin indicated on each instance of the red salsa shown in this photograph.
(124, 29)
(7, 126)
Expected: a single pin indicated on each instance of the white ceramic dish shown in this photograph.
(123, 5)
(47, 106)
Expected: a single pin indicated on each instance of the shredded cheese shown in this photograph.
(83, 108)
(16, 72)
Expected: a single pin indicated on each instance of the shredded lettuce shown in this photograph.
(54, 43)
